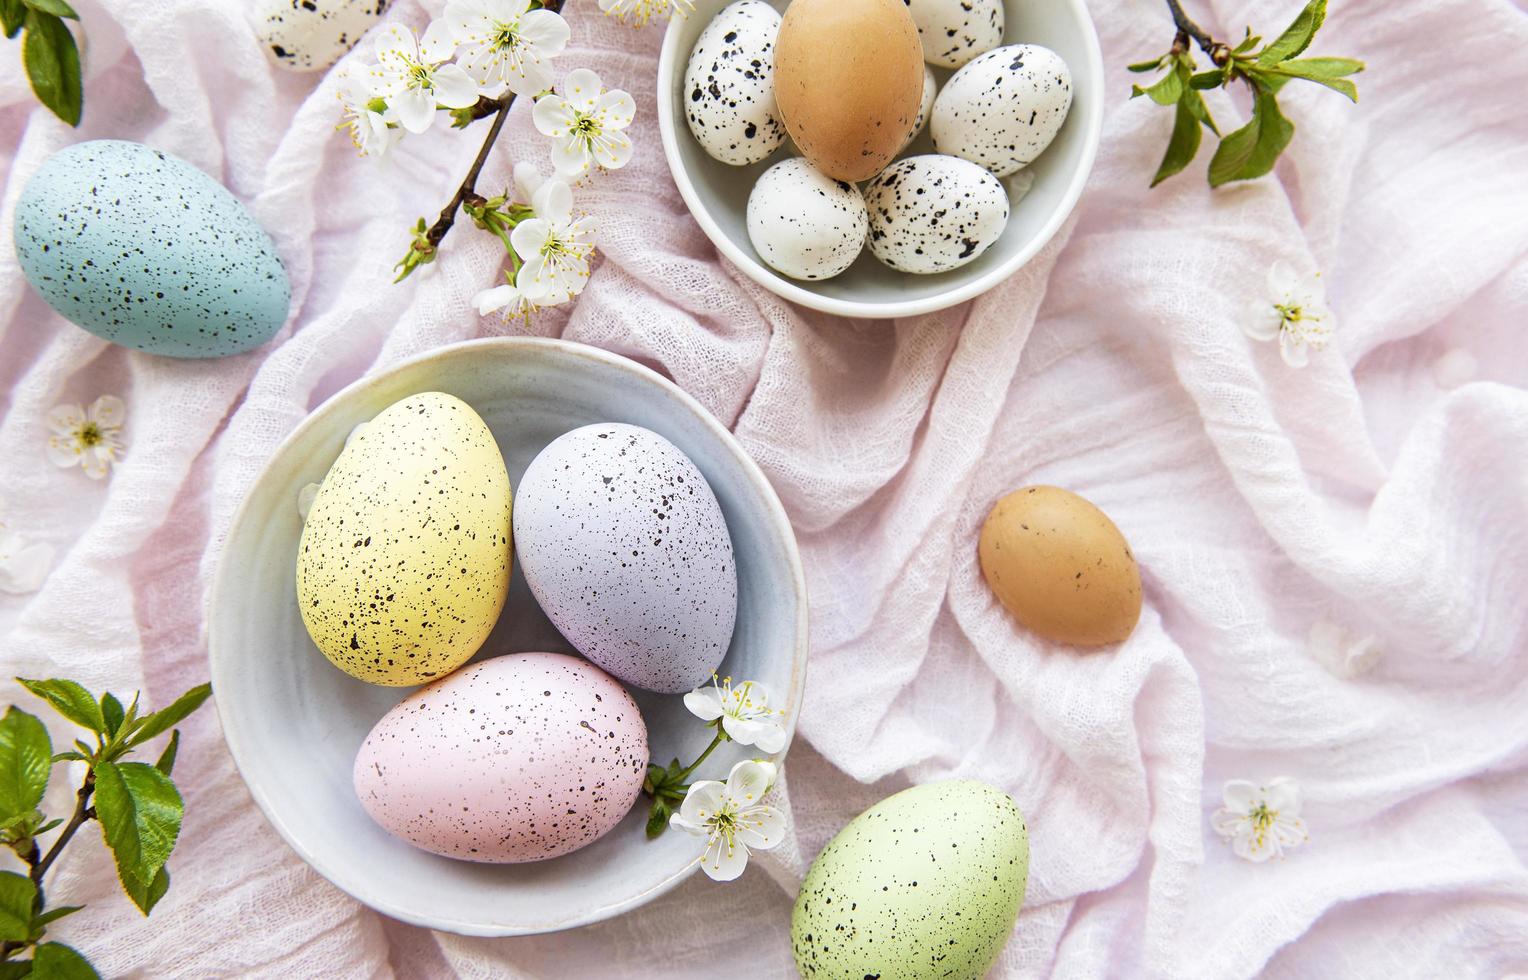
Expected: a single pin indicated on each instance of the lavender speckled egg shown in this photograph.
(925, 884)
(518, 758)
(311, 35)
(730, 84)
(403, 564)
(955, 31)
(1003, 109)
(624, 546)
(144, 250)
(804, 223)
(934, 213)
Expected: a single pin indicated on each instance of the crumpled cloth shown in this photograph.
(1358, 495)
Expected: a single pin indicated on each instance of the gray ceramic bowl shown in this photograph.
(717, 194)
(294, 722)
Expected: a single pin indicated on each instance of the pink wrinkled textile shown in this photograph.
(1260, 501)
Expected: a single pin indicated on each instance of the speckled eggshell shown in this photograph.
(1003, 109)
(403, 565)
(144, 250)
(518, 758)
(730, 86)
(924, 884)
(934, 213)
(804, 223)
(624, 546)
(311, 35)
(930, 89)
(953, 32)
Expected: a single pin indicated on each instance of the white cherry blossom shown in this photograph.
(372, 123)
(639, 12)
(413, 78)
(586, 124)
(23, 564)
(554, 247)
(1293, 313)
(731, 819)
(504, 44)
(90, 439)
(1261, 822)
(744, 711)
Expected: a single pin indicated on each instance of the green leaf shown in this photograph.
(140, 812)
(148, 896)
(1322, 71)
(1252, 150)
(55, 961)
(53, 65)
(15, 969)
(167, 757)
(26, 755)
(70, 700)
(1181, 147)
(70, 756)
(1151, 65)
(1248, 43)
(53, 915)
(162, 721)
(57, 8)
(1297, 36)
(13, 15)
(17, 893)
(112, 713)
(1214, 78)
(1167, 89)
(1195, 103)
(657, 819)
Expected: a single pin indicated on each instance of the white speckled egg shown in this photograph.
(624, 546)
(927, 883)
(729, 84)
(955, 31)
(144, 250)
(403, 565)
(518, 758)
(311, 35)
(930, 89)
(804, 223)
(1003, 109)
(934, 213)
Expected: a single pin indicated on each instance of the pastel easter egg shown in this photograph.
(144, 250)
(403, 565)
(934, 213)
(625, 547)
(925, 884)
(1003, 108)
(519, 758)
(804, 223)
(311, 35)
(729, 84)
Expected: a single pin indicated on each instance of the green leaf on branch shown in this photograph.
(1322, 71)
(658, 819)
(1195, 103)
(17, 893)
(15, 969)
(162, 721)
(13, 16)
(70, 700)
(51, 916)
(26, 755)
(55, 961)
(112, 713)
(53, 65)
(1152, 65)
(1167, 89)
(1182, 146)
(1297, 36)
(167, 757)
(1252, 150)
(57, 8)
(140, 812)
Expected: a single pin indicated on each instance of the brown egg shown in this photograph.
(848, 82)
(1061, 567)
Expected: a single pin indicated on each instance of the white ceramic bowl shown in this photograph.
(717, 193)
(294, 722)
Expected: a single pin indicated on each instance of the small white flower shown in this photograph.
(586, 123)
(639, 12)
(91, 440)
(23, 564)
(731, 818)
(553, 246)
(504, 43)
(1293, 312)
(1260, 821)
(305, 498)
(507, 299)
(744, 712)
(372, 123)
(1342, 652)
(411, 76)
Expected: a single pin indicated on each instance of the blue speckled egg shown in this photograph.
(145, 250)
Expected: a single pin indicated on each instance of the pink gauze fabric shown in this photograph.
(1261, 501)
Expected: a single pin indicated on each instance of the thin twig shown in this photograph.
(1217, 51)
(39, 867)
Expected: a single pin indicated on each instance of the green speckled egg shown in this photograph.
(404, 561)
(144, 250)
(924, 884)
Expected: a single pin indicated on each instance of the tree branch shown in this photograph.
(1218, 52)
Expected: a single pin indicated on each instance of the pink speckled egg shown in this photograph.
(519, 758)
(626, 549)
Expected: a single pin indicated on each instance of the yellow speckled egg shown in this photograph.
(1061, 567)
(404, 561)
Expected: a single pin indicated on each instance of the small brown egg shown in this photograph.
(1061, 567)
(848, 82)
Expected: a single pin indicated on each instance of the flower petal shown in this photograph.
(1228, 823)
(722, 861)
(491, 300)
(1281, 281)
(63, 451)
(570, 158)
(553, 202)
(64, 419)
(1282, 795)
(615, 109)
(1292, 347)
(438, 44)
(527, 238)
(108, 412)
(415, 108)
(25, 566)
(395, 41)
(546, 30)
(305, 498)
(552, 116)
(1263, 320)
(749, 781)
(1240, 796)
(582, 88)
(704, 703)
(527, 180)
(761, 827)
(614, 151)
(703, 801)
(772, 739)
(454, 88)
